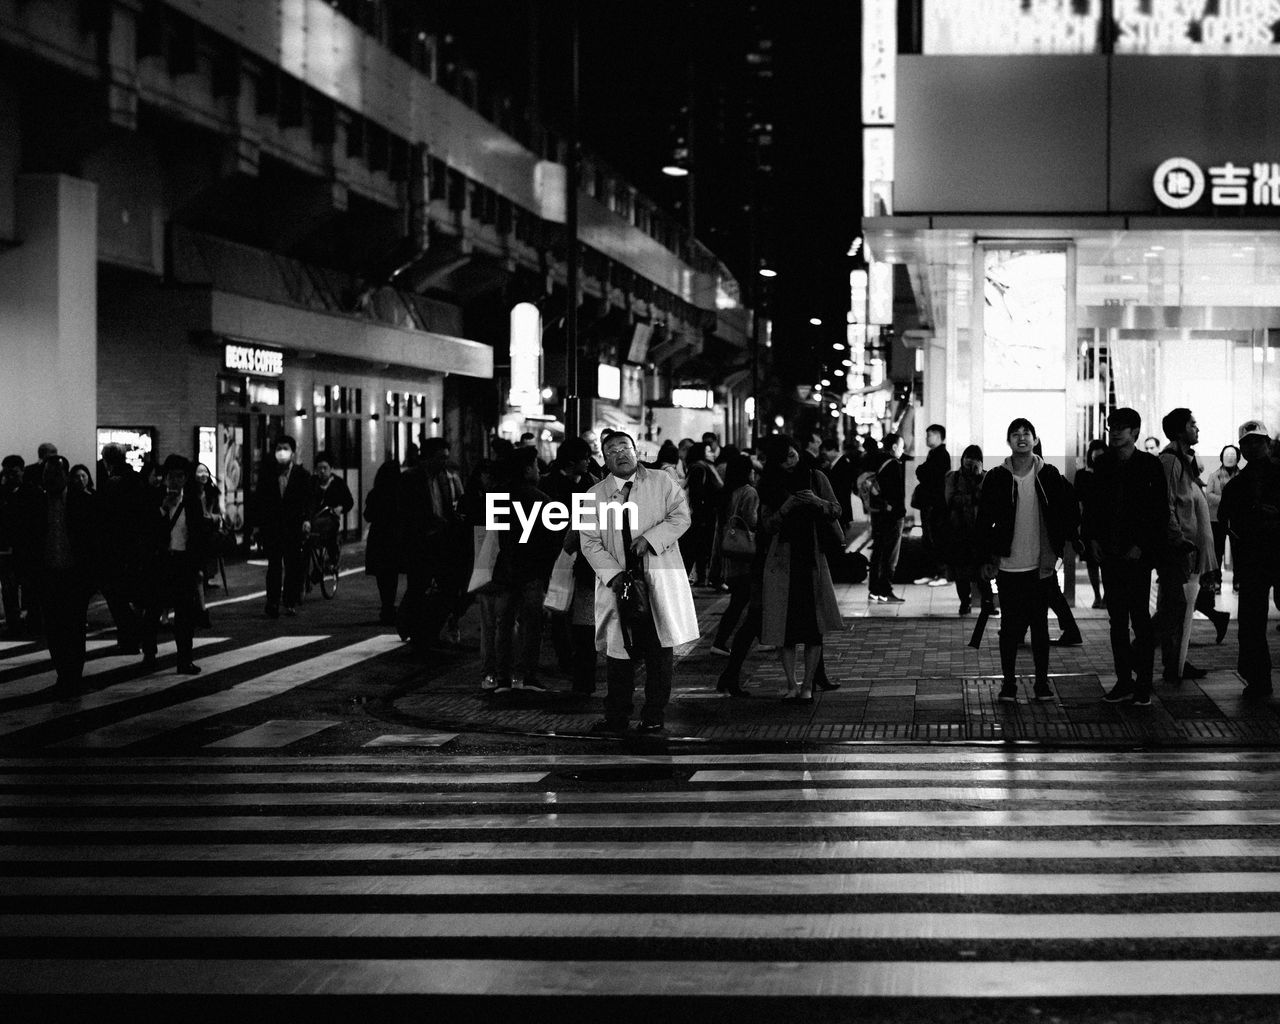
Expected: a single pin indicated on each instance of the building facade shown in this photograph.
(1084, 197)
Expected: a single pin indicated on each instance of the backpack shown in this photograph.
(868, 488)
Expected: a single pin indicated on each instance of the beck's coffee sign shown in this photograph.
(252, 360)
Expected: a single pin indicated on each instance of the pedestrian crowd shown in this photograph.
(765, 526)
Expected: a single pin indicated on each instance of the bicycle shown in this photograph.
(321, 566)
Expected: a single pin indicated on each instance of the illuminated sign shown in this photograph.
(1180, 183)
(526, 359)
(608, 382)
(1195, 28)
(250, 359)
(879, 60)
(880, 300)
(1011, 26)
(138, 443)
(692, 398)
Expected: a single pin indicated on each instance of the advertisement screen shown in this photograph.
(138, 442)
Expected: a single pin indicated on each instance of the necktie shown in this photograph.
(626, 525)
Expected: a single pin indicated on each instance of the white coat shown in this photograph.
(663, 517)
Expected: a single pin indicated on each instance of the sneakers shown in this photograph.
(873, 598)
(1121, 693)
(1142, 700)
(892, 598)
(923, 580)
(720, 650)
(532, 685)
(939, 581)
(502, 686)
(1042, 691)
(1008, 693)
(488, 683)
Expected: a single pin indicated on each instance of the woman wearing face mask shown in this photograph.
(799, 599)
(281, 506)
(1229, 460)
(960, 541)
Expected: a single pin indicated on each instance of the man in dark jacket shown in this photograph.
(931, 478)
(1129, 523)
(1250, 512)
(125, 502)
(281, 509)
(843, 475)
(887, 513)
(61, 539)
(177, 534)
(520, 579)
(13, 491)
(1027, 513)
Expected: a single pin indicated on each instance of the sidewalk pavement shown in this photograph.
(906, 674)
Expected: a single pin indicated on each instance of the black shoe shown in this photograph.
(825, 685)
(609, 726)
(149, 660)
(1220, 620)
(1189, 671)
(966, 609)
(1008, 693)
(1042, 691)
(189, 669)
(892, 598)
(128, 649)
(533, 685)
(650, 728)
(1067, 640)
(1256, 691)
(1121, 693)
(1142, 700)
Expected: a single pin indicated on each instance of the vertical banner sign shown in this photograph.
(880, 296)
(879, 84)
(526, 359)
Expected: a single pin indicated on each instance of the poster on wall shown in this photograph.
(138, 443)
(1024, 318)
(229, 469)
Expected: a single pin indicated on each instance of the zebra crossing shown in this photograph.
(873, 874)
(123, 704)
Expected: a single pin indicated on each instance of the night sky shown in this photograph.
(636, 77)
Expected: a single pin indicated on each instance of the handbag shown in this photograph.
(739, 541)
(486, 557)
(559, 595)
(634, 607)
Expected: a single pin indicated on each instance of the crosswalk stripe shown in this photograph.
(916, 883)
(8, 645)
(622, 978)
(42, 657)
(155, 723)
(647, 821)
(413, 739)
(741, 927)
(419, 791)
(1100, 776)
(27, 685)
(272, 780)
(272, 734)
(682, 851)
(165, 679)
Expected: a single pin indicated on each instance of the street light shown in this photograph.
(768, 272)
(816, 321)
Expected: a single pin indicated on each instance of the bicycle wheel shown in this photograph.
(328, 576)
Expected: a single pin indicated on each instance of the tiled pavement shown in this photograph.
(906, 674)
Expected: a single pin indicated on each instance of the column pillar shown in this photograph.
(49, 319)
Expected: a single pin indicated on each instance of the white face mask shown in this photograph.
(284, 456)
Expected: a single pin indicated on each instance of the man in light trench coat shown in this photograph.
(662, 515)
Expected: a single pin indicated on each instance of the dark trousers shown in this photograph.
(9, 592)
(128, 621)
(1058, 605)
(1254, 661)
(1219, 542)
(1127, 588)
(284, 572)
(929, 523)
(747, 632)
(522, 601)
(620, 676)
(388, 584)
(697, 551)
(64, 600)
(176, 576)
(965, 589)
(739, 596)
(886, 542)
(1024, 603)
(1171, 611)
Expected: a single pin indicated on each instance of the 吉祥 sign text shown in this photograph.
(1180, 183)
(260, 362)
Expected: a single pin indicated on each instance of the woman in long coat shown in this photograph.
(383, 551)
(799, 599)
(960, 489)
